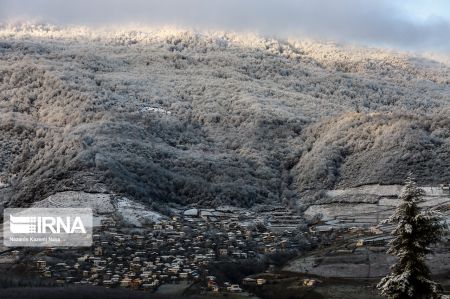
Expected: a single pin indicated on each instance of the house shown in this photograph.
(98, 251)
(310, 282)
(173, 270)
(115, 279)
(60, 281)
(223, 252)
(136, 259)
(445, 188)
(135, 283)
(235, 288)
(375, 230)
(212, 284)
(41, 265)
(324, 228)
(157, 227)
(269, 249)
(139, 240)
(260, 281)
(96, 261)
(105, 223)
(374, 241)
(191, 213)
(249, 281)
(125, 283)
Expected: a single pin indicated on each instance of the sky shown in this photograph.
(417, 25)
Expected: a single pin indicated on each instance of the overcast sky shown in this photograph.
(406, 24)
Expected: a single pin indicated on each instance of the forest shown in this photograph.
(175, 116)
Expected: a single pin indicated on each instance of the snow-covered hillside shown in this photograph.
(180, 116)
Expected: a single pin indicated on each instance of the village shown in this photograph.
(176, 252)
(171, 251)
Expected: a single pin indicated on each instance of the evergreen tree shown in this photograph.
(415, 230)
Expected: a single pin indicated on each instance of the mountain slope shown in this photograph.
(377, 148)
(175, 116)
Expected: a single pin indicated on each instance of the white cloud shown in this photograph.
(380, 22)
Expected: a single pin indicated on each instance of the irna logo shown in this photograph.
(49, 227)
(46, 224)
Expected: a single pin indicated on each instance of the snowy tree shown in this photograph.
(415, 230)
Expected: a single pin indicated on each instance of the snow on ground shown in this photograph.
(102, 205)
(381, 190)
(154, 109)
(331, 211)
(374, 211)
(135, 213)
(99, 203)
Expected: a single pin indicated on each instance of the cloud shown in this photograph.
(374, 22)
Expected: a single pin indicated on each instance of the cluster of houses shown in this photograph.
(168, 251)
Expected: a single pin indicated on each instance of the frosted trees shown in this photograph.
(415, 231)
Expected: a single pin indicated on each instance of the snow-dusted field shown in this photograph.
(379, 190)
(342, 258)
(103, 206)
(99, 203)
(135, 213)
(350, 205)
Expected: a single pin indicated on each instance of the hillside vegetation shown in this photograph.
(177, 116)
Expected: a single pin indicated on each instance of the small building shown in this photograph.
(261, 281)
(125, 283)
(310, 282)
(98, 251)
(41, 265)
(249, 281)
(223, 252)
(375, 241)
(135, 283)
(445, 188)
(235, 288)
(191, 212)
(375, 230)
